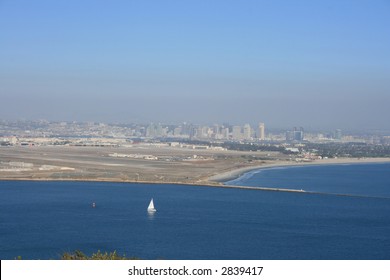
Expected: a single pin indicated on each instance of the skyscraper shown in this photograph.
(236, 132)
(247, 132)
(225, 133)
(261, 131)
(298, 134)
(338, 134)
(295, 135)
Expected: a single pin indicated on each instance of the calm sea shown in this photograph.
(351, 179)
(41, 220)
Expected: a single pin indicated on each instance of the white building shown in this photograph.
(236, 132)
(247, 132)
(261, 131)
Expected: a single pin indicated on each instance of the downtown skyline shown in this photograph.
(305, 63)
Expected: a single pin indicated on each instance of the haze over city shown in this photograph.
(237, 134)
(286, 63)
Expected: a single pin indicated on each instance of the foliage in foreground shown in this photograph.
(78, 255)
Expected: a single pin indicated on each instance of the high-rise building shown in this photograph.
(225, 133)
(216, 132)
(177, 131)
(236, 132)
(247, 132)
(289, 136)
(155, 130)
(261, 131)
(298, 134)
(295, 135)
(338, 134)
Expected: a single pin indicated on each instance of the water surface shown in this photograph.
(353, 179)
(41, 220)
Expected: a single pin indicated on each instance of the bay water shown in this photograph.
(42, 220)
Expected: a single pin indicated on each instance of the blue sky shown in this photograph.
(318, 64)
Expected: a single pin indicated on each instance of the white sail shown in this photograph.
(151, 206)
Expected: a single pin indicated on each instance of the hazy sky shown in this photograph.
(317, 64)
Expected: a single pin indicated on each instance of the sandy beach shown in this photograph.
(234, 174)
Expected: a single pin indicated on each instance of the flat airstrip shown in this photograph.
(139, 163)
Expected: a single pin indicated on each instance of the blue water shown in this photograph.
(41, 220)
(353, 179)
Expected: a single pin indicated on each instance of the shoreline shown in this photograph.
(236, 173)
(212, 169)
(219, 180)
(215, 184)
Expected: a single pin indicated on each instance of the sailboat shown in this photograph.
(151, 207)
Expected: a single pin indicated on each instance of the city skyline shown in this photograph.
(317, 65)
(255, 125)
(224, 132)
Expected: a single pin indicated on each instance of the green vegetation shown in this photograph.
(330, 150)
(78, 255)
(353, 150)
(253, 147)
